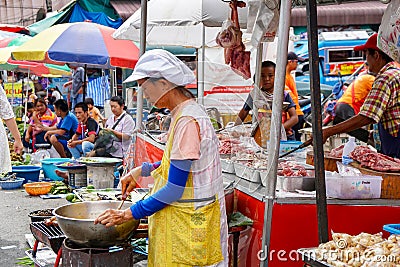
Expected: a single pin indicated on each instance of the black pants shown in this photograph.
(344, 112)
(298, 126)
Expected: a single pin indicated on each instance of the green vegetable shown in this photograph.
(59, 188)
(70, 197)
(26, 261)
(90, 187)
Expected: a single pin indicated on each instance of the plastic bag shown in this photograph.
(265, 23)
(238, 219)
(346, 170)
(389, 31)
(229, 36)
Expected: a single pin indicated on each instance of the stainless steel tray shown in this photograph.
(248, 173)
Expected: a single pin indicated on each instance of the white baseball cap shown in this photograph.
(159, 63)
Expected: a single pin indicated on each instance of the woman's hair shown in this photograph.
(185, 92)
(40, 100)
(118, 99)
(29, 105)
(89, 101)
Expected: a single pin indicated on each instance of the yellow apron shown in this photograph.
(179, 234)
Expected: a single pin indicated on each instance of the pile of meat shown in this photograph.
(336, 152)
(375, 161)
(228, 146)
(230, 38)
(292, 169)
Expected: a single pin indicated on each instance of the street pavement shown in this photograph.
(14, 222)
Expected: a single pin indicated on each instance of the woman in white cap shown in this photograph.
(186, 209)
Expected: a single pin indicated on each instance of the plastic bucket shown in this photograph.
(49, 167)
(77, 178)
(29, 172)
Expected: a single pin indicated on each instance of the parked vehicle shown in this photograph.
(336, 55)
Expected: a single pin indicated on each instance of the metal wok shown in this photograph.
(77, 222)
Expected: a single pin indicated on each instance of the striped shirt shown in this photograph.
(383, 101)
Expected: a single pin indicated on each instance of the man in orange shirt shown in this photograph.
(350, 102)
(290, 85)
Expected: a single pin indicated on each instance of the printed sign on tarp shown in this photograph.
(14, 92)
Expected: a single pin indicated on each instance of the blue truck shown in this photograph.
(337, 59)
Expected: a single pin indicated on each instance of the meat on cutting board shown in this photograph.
(374, 160)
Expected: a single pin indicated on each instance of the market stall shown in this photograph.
(286, 221)
(294, 218)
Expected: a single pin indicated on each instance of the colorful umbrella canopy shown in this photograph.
(79, 43)
(15, 41)
(39, 69)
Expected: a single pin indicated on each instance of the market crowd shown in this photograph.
(74, 133)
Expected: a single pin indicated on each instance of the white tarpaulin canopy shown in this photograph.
(180, 22)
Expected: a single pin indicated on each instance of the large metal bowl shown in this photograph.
(77, 222)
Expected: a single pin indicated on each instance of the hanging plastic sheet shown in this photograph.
(265, 24)
(99, 90)
(79, 14)
(389, 31)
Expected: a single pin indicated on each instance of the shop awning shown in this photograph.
(356, 13)
(124, 8)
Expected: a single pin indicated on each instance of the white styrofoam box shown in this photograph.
(247, 173)
(227, 166)
(354, 187)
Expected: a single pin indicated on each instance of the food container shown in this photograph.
(29, 172)
(392, 228)
(38, 188)
(77, 222)
(227, 166)
(353, 187)
(49, 167)
(248, 173)
(40, 215)
(12, 184)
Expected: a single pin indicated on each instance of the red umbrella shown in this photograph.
(14, 28)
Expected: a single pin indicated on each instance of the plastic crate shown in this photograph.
(286, 146)
(354, 187)
(392, 228)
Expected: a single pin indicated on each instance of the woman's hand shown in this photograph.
(27, 137)
(18, 146)
(128, 182)
(112, 217)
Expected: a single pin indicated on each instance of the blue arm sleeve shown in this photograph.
(171, 192)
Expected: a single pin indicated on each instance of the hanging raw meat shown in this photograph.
(230, 38)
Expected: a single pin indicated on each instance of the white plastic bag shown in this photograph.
(389, 31)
